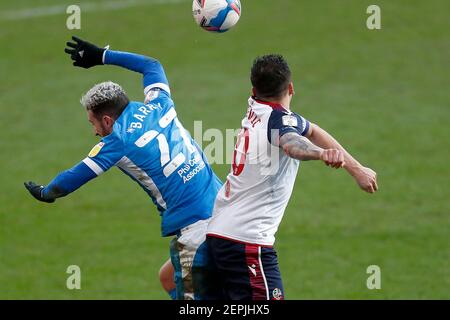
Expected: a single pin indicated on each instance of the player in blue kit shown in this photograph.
(148, 143)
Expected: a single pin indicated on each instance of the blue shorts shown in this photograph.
(246, 271)
(195, 276)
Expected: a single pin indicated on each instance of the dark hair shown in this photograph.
(113, 108)
(106, 98)
(270, 76)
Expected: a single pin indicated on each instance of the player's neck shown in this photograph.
(284, 102)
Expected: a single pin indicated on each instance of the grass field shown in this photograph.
(384, 94)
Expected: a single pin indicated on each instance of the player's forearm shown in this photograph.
(151, 69)
(300, 148)
(324, 140)
(131, 61)
(68, 181)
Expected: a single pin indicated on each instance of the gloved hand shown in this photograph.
(84, 54)
(36, 191)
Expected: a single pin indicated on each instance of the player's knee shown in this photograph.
(162, 275)
(166, 274)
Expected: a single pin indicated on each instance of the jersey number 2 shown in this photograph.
(169, 166)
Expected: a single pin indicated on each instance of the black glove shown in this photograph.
(36, 191)
(84, 54)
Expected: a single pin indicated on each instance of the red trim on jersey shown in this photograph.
(227, 188)
(214, 235)
(275, 106)
(259, 289)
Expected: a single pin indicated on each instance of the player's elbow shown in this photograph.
(151, 64)
(289, 150)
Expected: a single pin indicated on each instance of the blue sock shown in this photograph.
(173, 294)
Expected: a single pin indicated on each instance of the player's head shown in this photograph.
(104, 103)
(271, 78)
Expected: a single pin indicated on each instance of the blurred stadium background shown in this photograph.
(384, 94)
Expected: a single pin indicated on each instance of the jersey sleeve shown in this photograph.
(151, 69)
(282, 122)
(68, 181)
(105, 154)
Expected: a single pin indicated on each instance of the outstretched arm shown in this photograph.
(151, 69)
(287, 130)
(102, 157)
(87, 55)
(63, 184)
(365, 177)
(299, 147)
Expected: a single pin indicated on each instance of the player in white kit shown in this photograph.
(250, 205)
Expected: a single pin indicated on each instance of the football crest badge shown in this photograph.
(96, 149)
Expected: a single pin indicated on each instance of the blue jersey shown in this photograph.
(150, 145)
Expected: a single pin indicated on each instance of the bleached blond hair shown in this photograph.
(105, 97)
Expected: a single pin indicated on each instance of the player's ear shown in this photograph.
(108, 121)
(291, 89)
(254, 92)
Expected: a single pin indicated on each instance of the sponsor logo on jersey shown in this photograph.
(191, 168)
(152, 95)
(96, 149)
(290, 121)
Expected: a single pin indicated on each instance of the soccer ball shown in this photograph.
(216, 15)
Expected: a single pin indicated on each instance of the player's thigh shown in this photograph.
(204, 275)
(195, 276)
(230, 262)
(182, 258)
(246, 271)
(271, 269)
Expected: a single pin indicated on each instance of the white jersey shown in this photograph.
(250, 205)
